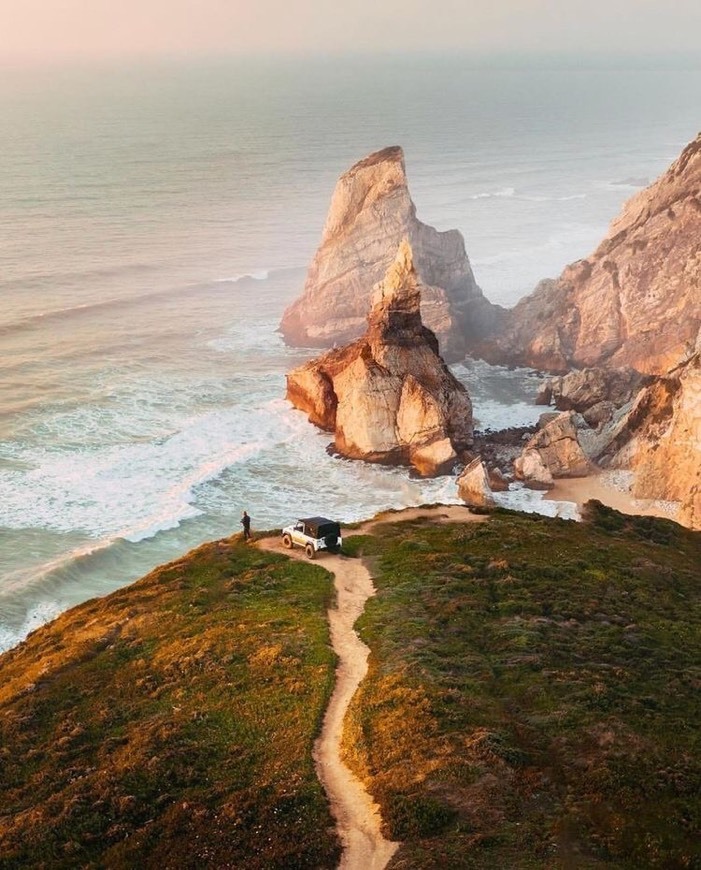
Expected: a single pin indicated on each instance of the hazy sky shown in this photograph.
(49, 30)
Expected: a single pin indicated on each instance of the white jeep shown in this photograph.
(314, 534)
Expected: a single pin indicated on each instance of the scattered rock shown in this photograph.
(545, 419)
(555, 448)
(530, 468)
(497, 480)
(581, 390)
(600, 414)
(473, 485)
(544, 396)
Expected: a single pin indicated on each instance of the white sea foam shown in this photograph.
(503, 193)
(154, 421)
(255, 275)
(502, 398)
(520, 498)
(130, 490)
(543, 198)
(37, 616)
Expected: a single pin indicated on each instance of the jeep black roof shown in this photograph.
(320, 526)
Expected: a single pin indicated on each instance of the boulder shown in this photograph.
(430, 460)
(633, 302)
(473, 485)
(371, 212)
(581, 390)
(558, 447)
(389, 397)
(544, 396)
(497, 480)
(599, 414)
(530, 468)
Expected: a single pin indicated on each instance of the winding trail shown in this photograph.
(357, 816)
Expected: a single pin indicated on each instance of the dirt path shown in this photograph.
(357, 816)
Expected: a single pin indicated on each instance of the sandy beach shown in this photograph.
(600, 487)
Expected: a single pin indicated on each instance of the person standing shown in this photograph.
(246, 523)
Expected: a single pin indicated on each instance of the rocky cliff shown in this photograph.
(635, 301)
(371, 212)
(389, 397)
(661, 441)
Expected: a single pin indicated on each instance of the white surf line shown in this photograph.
(357, 815)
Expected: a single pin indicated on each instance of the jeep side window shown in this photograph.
(299, 527)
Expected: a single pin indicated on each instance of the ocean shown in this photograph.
(156, 220)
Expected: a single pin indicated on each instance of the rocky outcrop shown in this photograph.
(661, 441)
(581, 390)
(554, 451)
(389, 397)
(634, 302)
(473, 485)
(371, 212)
(595, 393)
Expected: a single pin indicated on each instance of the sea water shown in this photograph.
(154, 223)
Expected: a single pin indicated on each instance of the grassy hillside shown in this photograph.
(534, 692)
(170, 724)
(533, 702)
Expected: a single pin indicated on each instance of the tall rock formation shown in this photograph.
(661, 441)
(635, 302)
(389, 397)
(371, 212)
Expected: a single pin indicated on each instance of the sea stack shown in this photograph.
(634, 302)
(388, 396)
(371, 212)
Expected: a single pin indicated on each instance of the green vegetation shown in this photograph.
(533, 697)
(171, 724)
(532, 702)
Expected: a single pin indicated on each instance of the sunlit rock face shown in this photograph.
(371, 212)
(473, 485)
(661, 441)
(554, 451)
(634, 302)
(389, 397)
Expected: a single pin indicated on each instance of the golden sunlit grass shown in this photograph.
(171, 723)
(532, 702)
(533, 697)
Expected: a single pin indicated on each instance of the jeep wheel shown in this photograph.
(287, 542)
(310, 551)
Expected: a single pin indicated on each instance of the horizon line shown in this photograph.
(586, 59)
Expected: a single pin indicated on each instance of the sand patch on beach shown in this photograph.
(612, 490)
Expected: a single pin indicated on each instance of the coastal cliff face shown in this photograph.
(389, 397)
(634, 302)
(661, 441)
(371, 212)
